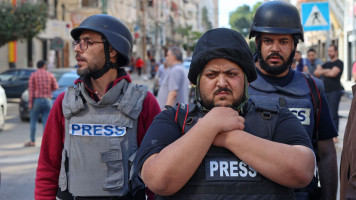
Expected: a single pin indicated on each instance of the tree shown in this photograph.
(241, 19)
(205, 20)
(190, 37)
(22, 22)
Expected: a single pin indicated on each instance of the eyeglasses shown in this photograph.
(84, 43)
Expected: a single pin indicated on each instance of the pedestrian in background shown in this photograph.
(330, 72)
(354, 71)
(40, 87)
(300, 64)
(175, 85)
(313, 61)
(223, 146)
(96, 127)
(139, 64)
(277, 30)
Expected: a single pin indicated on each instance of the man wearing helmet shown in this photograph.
(95, 128)
(277, 30)
(223, 146)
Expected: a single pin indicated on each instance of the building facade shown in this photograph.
(155, 24)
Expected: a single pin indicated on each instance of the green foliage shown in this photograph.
(205, 20)
(22, 22)
(191, 37)
(241, 19)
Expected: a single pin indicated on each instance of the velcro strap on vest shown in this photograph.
(70, 105)
(131, 102)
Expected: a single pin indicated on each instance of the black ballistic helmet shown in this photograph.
(222, 43)
(277, 17)
(115, 32)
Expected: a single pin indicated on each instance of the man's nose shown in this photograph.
(222, 82)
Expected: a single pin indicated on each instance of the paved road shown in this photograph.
(18, 164)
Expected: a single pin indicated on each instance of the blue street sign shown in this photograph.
(315, 16)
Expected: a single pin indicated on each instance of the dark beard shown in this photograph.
(209, 104)
(87, 71)
(275, 70)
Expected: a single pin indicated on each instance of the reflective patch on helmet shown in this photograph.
(229, 169)
(96, 130)
(303, 114)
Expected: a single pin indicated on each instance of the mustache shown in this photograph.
(275, 54)
(222, 90)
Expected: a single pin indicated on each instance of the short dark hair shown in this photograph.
(334, 46)
(177, 52)
(298, 52)
(41, 64)
(311, 50)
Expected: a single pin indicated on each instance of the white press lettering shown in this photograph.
(224, 165)
(214, 166)
(243, 169)
(234, 168)
(252, 172)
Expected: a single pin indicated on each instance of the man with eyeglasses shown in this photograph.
(95, 128)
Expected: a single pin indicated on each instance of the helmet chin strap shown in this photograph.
(107, 66)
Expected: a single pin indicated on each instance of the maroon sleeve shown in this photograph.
(150, 109)
(49, 161)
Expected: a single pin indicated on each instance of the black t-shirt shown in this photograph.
(333, 83)
(164, 131)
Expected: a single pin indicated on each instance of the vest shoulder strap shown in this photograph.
(181, 115)
(315, 94)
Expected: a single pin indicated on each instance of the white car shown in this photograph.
(3, 108)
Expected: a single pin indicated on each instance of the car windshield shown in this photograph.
(67, 80)
(5, 77)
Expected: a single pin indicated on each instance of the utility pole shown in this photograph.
(144, 55)
(12, 47)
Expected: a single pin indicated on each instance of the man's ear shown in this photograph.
(112, 52)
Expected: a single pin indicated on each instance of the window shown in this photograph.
(90, 3)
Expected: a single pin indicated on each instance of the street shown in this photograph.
(18, 164)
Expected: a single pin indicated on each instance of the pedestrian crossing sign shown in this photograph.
(315, 16)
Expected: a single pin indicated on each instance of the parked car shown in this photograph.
(3, 108)
(65, 78)
(15, 81)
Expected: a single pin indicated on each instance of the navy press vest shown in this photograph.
(222, 175)
(295, 96)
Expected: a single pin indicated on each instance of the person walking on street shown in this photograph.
(175, 85)
(331, 72)
(277, 30)
(96, 127)
(40, 87)
(139, 65)
(224, 146)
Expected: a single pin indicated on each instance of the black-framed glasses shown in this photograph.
(85, 43)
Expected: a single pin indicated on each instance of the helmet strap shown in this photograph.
(107, 66)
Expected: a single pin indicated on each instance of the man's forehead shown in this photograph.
(276, 36)
(89, 34)
(221, 63)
